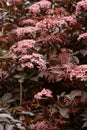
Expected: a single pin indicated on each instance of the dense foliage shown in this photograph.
(43, 64)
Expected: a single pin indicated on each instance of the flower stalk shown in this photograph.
(21, 87)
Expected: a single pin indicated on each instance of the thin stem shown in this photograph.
(20, 93)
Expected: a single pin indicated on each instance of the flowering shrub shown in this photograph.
(43, 50)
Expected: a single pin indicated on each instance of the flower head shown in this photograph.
(26, 30)
(82, 5)
(82, 36)
(38, 6)
(30, 61)
(44, 92)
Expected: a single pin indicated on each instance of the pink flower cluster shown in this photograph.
(82, 36)
(22, 47)
(79, 72)
(53, 39)
(67, 71)
(82, 5)
(26, 30)
(59, 72)
(34, 9)
(37, 7)
(48, 23)
(29, 61)
(44, 92)
(30, 22)
(54, 23)
(69, 19)
(23, 51)
(44, 4)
